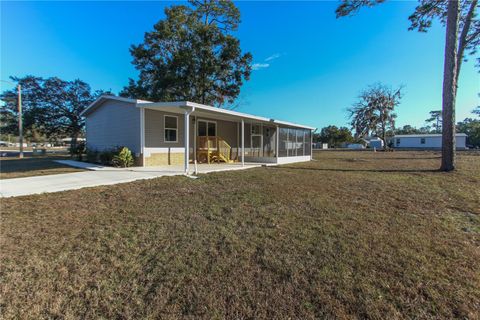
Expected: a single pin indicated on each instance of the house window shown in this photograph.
(398, 141)
(422, 140)
(207, 128)
(171, 128)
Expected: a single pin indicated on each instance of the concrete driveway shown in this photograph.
(71, 181)
(98, 176)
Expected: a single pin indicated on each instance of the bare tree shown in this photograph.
(374, 112)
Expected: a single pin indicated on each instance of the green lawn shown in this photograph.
(351, 235)
(33, 166)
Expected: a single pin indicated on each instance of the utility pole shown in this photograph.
(20, 121)
(20, 117)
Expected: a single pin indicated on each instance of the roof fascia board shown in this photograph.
(184, 104)
(427, 135)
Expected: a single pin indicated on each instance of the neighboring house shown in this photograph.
(320, 145)
(178, 133)
(426, 141)
(376, 143)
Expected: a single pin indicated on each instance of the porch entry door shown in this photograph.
(207, 132)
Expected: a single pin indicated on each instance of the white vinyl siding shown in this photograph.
(155, 130)
(426, 142)
(114, 124)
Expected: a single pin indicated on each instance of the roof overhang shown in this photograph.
(179, 106)
(104, 98)
(426, 135)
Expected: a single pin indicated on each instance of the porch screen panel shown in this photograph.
(299, 144)
(269, 141)
(292, 141)
(282, 142)
(308, 144)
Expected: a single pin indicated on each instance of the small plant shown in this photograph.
(123, 159)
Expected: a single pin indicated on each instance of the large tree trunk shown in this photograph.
(449, 88)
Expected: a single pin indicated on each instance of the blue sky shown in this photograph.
(311, 66)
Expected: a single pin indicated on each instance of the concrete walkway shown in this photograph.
(98, 176)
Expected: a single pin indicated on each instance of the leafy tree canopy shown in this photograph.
(335, 136)
(191, 55)
(471, 127)
(51, 106)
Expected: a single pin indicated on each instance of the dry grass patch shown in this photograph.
(351, 235)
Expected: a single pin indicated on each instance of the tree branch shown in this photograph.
(462, 41)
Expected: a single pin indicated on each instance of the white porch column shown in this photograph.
(186, 138)
(142, 135)
(277, 138)
(311, 144)
(243, 142)
(195, 140)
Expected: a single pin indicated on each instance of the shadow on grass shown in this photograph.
(25, 165)
(383, 159)
(359, 170)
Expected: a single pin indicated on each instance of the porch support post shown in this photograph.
(243, 142)
(238, 141)
(277, 137)
(195, 140)
(142, 135)
(311, 144)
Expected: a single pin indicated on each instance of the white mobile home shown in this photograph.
(426, 141)
(174, 133)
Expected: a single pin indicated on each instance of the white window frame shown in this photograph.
(165, 128)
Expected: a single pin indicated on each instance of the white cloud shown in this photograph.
(273, 57)
(258, 66)
(264, 64)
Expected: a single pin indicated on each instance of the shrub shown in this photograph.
(92, 156)
(123, 158)
(78, 150)
(106, 157)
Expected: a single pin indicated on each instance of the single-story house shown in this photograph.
(426, 141)
(183, 132)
